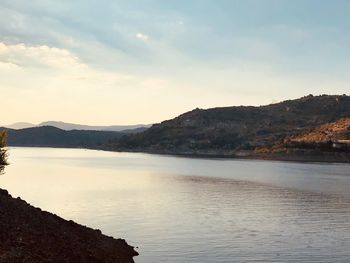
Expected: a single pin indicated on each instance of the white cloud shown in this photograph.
(142, 36)
(24, 56)
(8, 66)
(60, 69)
(180, 22)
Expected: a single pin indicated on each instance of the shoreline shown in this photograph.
(28, 234)
(303, 157)
(297, 155)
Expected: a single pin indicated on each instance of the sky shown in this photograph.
(104, 62)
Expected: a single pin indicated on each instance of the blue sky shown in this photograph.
(126, 62)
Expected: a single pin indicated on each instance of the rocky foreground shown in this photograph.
(28, 234)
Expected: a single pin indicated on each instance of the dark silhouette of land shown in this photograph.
(48, 136)
(242, 131)
(239, 131)
(73, 126)
(30, 235)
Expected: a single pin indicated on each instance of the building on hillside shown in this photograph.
(341, 144)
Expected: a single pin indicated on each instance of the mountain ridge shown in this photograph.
(72, 126)
(228, 130)
(49, 136)
(237, 131)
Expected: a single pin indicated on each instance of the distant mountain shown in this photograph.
(48, 136)
(229, 130)
(71, 126)
(20, 125)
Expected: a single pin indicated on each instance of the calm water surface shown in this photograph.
(193, 210)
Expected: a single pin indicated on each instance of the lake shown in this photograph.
(178, 209)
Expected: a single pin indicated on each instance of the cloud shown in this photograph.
(23, 55)
(142, 36)
(60, 67)
(8, 66)
(180, 22)
(106, 55)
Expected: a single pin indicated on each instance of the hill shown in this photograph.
(72, 126)
(20, 125)
(48, 136)
(230, 130)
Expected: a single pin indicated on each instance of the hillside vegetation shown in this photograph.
(335, 131)
(333, 136)
(232, 129)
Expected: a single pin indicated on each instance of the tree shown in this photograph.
(3, 151)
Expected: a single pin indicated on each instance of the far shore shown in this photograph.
(328, 157)
(297, 156)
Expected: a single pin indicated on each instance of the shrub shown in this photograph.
(3, 151)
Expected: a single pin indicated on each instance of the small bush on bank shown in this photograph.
(3, 151)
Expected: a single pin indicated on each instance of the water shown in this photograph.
(193, 210)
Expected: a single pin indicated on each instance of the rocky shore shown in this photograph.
(301, 155)
(28, 234)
